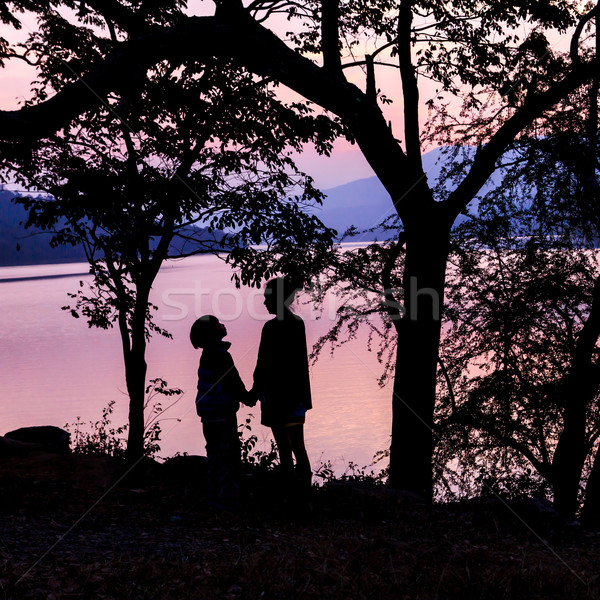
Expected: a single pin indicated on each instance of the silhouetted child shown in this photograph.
(282, 383)
(219, 421)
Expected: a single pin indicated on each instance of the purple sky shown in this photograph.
(346, 163)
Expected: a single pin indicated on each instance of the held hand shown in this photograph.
(251, 398)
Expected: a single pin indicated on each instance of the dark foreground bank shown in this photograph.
(67, 531)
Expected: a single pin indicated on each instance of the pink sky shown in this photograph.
(346, 163)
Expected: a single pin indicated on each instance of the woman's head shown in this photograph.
(279, 293)
(205, 330)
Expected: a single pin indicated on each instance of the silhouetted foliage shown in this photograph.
(159, 170)
(517, 302)
(490, 57)
(536, 234)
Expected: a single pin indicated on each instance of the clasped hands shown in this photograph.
(252, 397)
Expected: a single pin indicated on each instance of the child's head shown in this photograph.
(206, 330)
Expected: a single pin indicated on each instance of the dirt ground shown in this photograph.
(69, 528)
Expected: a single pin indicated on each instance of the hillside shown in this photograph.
(364, 203)
(20, 246)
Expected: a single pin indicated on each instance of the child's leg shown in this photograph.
(229, 486)
(212, 437)
(223, 453)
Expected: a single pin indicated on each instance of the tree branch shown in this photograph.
(330, 37)
(371, 88)
(410, 89)
(534, 105)
(574, 47)
(465, 418)
(249, 44)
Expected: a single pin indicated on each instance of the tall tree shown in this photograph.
(520, 328)
(132, 177)
(518, 375)
(463, 47)
(556, 169)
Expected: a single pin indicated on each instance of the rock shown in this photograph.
(184, 469)
(535, 512)
(10, 448)
(81, 471)
(49, 438)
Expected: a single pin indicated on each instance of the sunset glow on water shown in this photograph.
(55, 369)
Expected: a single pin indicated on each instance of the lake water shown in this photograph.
(53, 368)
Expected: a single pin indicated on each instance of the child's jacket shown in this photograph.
(217, 360)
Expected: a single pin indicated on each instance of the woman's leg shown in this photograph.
(296, 440)
(284, 448)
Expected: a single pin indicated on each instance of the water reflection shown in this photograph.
(53, 368)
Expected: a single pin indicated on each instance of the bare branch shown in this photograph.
(410, 89)
(330, 36)
(586, 18)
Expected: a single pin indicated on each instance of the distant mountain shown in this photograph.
(20, 246)
(364, 203)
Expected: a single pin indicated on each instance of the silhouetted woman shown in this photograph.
(281, 380)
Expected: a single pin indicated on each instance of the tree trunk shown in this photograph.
(581, 387)
(569, 456)
(591, 507)
(135, 375)
(417, 356)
